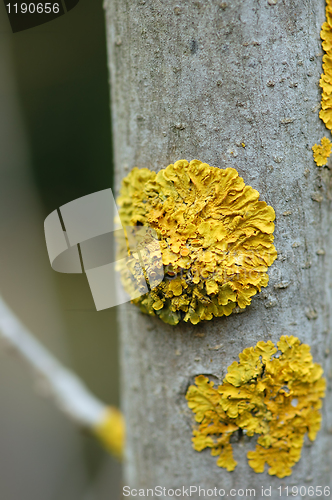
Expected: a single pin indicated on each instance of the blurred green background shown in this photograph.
(62, 77)
(56, 147)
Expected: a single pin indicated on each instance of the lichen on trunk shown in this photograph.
(233, 84)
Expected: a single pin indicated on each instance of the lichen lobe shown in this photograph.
(322, 151)
(216, 238)
(326, 78)
(275, 393)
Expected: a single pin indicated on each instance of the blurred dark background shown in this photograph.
(62, 77)
(55, 96)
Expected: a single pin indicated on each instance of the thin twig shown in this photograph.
(67, 390)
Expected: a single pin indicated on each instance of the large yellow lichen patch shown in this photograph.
(215, 236)
(272, 392)
(326, 78)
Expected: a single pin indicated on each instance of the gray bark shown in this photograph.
(193, 80)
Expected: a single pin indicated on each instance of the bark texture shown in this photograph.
(195, 79)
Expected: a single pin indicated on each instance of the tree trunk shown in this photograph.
(195, 80)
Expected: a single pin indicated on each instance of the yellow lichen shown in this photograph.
(215, 237)
(321, 153)
(111, 431)
(273, 392)
(326, 78)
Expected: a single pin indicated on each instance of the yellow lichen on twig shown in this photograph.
(322, 152)
(273, 392)
(216, 238)
(111, 431)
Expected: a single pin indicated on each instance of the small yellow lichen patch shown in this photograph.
(216, 238)
(111, 431)
(273, 392)
(321, 153)
(326, 78)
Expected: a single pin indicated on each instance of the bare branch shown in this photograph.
(67, 390)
